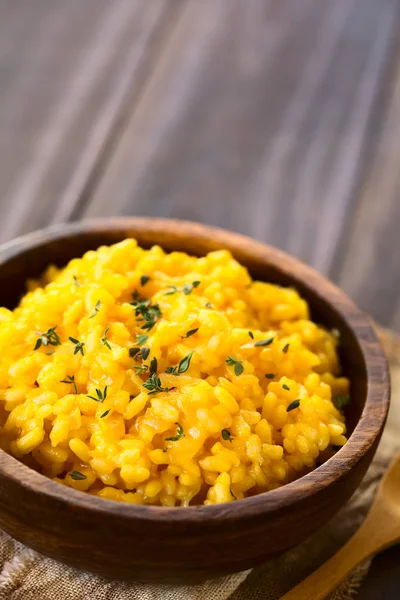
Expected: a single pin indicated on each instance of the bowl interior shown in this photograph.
(29, 261)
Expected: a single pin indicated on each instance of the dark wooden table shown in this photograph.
(276, 118)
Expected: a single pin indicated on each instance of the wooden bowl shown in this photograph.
(174, 544)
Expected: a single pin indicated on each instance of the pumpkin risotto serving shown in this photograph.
(167, 379)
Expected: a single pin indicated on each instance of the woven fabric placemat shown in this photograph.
(26, 575)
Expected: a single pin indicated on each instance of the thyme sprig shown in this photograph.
(237, 364)
(101, 395)
(141, 369)
(189, 287)
(153, 385)
(145, 312)
(95, 310)
(78, 345)
(186, 289)
(180, 434)
(49, 338)
(70, 379)
(104, 339)
(182, 367)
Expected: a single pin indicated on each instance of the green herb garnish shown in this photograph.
(251, 334)
(133, 352)
(270, 375)
(285, 348)
(237, 364)
(178, 436)
(190, 332)
(70, 379)
(226, 435)
(51, 338)
(293, 405)
(144, 353)
(151, 316)
(50, 352)
(189, 287)
(101, 395)
(105, 413)
(141, 339)
(141, 369)
(341, 400)
(185, 363)
(153, 385)
(232, 494)
(144, 279)
(285, 387)
(104, 339)
(182, 367)
(76, 282)
(209, 305)
(146, 312)
(96, 310)
(153, 365)
(172, 290)
(77, 475)
(78, 345)
(265, 342)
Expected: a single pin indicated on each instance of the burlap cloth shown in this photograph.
(26, 575)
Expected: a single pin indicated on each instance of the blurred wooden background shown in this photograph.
(276, 118)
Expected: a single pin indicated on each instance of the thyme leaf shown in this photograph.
(264, 342)
(226, 435)
(77, 475)
(237, 364)
(190, 333)
(293, 405)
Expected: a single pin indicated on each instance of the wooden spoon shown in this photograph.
(380, 529)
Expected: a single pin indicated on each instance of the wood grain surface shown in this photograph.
(68, 73)
(379, 530)
(278, 119)
(195, 544)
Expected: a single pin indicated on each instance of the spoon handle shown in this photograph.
(367, 540)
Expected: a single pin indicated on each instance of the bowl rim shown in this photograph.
(362, 438)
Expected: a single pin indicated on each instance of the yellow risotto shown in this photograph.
(155, 378)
